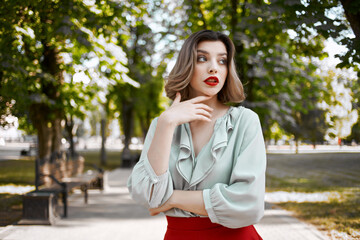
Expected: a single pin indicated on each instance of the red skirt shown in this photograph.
(197, 228)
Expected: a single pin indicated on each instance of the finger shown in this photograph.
(153, 213)
(202, 118)
(177, 98)
(204, 106)
(203, 113)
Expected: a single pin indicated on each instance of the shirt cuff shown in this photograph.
(208, 206)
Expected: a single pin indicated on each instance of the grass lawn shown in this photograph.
(18, 172)
(22, 172)
(113, 159)
(319, 172)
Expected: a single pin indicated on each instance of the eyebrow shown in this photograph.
(205, 52)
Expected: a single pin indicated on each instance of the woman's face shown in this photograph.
(210, 70)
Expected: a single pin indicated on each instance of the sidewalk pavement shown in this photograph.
(112, 214)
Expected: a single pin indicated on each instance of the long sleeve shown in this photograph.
(144, 185)
(241, 202)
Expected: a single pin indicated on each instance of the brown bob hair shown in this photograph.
(181, 74)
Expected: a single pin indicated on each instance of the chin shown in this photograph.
(207, 93)
(210, 94)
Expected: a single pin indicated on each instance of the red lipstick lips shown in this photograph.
(212, 81)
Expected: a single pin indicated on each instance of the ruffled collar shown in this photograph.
(185, 162)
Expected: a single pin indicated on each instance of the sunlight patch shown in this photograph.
(282, 196)
(13, 189)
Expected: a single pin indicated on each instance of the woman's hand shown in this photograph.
(179, 113)
(187, 111)
(169, 204)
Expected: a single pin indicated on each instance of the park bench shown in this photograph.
(30, 151)
(41, 205)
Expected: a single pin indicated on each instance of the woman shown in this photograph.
(203, 162)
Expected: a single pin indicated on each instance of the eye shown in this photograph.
(223, 61)
(201, 59)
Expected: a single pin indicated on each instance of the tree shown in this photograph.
(352, 57)
(41, 45)
(310, 125)
(337, 19)
(77, 100)
(339, 103)
(355, 133)
(355, 89)
(140, 104)
(275, 67)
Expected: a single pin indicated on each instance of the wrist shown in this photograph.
(166, 120)
(174, 199)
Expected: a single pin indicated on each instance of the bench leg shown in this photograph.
(85, 194)
(101, 183)
(64, 200)
(84, 188)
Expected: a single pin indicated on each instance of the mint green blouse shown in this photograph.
(230, 170)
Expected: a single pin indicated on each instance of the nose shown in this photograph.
(213, 68)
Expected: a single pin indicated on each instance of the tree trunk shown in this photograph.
(47, 115)
(296, 145)
(57, 135)
(103, 142)
(352, 16)
(69, 126)
(145, 121)
(44, 130)
(45, 136)
(143, 127)
(128, 125)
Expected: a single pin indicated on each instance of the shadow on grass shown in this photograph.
(10, 208)
(342, 215)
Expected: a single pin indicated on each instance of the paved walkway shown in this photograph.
(113, 215)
